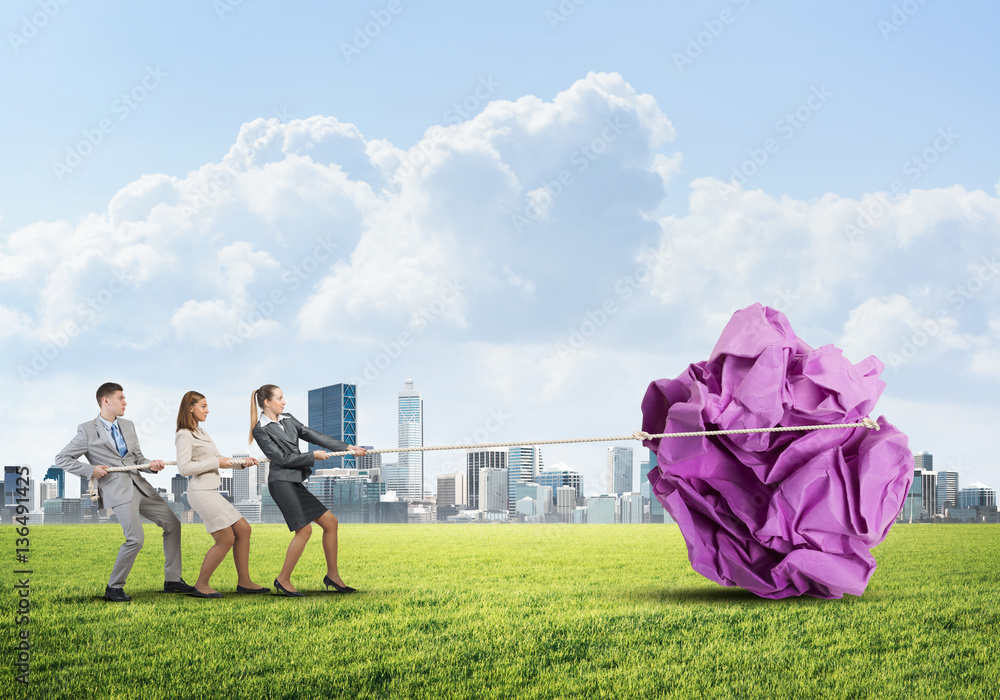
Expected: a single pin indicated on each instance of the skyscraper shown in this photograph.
(493, 489)
(523, 463)
(923, 460)
(475, 462)
(559, 474)
(620, 477)
(57, 475)
(244, 484)
(333, 411)
(411, 434)
(451, 489)
(947, 490)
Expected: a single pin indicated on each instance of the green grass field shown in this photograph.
(535, 611)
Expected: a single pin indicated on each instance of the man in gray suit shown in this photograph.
(107, 440)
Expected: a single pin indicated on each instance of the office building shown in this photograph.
(452, 490)
(47, 490)
(493, 489)
(631, 508)
(333, 411)
(63, 511)
(369, 461)
(411, 434)
(59, 476)
(395, 479)
(351, 494)
(620, 473)
(947, 491)
(602, 509)
(269, 512)
(565, 503)
(178, 487)
(975, 495)
(250, 509)
(475, 462)
(523, 463)
(923, 460)
(559, 474)
(244, 484)
(526, 510)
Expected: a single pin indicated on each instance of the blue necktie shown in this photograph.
(119, 442)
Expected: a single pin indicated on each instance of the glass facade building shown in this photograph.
(411, 434)
(333, 411)
(620, 472)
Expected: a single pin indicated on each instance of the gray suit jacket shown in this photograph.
(93, 442)
(281, 446)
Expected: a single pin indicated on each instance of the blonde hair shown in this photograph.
(257, 398)
(186, 419)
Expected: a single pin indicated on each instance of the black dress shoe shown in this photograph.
(241, 589)
(198, 594)
(118, 595)
(293, 594)
(177, 587)
(327, 581)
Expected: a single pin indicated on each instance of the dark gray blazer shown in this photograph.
(281, 446)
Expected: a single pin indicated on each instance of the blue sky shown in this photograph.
(217, 195)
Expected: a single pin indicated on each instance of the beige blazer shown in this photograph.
(198, 457)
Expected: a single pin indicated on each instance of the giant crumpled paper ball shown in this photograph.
(779, 514)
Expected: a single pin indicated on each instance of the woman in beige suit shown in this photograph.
(198, 458)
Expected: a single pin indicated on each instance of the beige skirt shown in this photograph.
(216, 512)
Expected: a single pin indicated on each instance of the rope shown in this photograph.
(637, 435)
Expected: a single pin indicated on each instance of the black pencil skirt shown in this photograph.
(297, 505)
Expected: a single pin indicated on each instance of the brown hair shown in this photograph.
(257, 398)
(107, 389)
(186, 419)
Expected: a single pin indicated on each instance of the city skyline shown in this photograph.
(533, 235)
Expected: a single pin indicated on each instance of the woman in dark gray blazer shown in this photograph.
(277, 434)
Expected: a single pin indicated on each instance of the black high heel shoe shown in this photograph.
(327, 581)
(292, 594)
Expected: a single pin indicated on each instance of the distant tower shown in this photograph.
(620, 470)
(475, 462)
(411, 434)
(333, 411)
(947, 490)
(493, 489)
(523, 463)
(57, 475)
(923, 460)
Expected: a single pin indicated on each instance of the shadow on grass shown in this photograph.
(720, 594)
